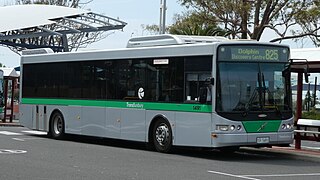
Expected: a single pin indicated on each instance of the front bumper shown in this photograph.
(251, 139)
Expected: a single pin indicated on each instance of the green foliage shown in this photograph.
(313, 114)
(288, 19)
(193, 24)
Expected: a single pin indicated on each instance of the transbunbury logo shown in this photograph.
(134, 105)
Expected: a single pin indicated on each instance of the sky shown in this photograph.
(133, 12)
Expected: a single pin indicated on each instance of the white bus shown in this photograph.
(164, 90)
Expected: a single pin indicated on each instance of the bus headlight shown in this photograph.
(222, 127)
(239, 127)
(286, 126)
(232, 127)
(228, 127)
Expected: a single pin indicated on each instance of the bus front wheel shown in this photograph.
(162, 136)
(56, 126)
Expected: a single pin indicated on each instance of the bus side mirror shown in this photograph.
(212, 81)
(306, 75)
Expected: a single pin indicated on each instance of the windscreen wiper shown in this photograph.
(260, 88)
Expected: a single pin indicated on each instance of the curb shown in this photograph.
(312, 155)
(10, 125)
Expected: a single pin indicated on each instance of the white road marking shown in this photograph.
(282, 175)
(24, 139)
(232, 175)
(36, 132)
(10, 151)
(8, 133)
(18, 139)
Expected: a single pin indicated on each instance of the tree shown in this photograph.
(250, 18)
(191, 23)
(309, 20)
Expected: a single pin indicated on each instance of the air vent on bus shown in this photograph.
(169, 39)
(37, 51)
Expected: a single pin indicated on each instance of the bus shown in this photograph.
(164, 90)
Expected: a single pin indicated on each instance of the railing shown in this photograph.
(307, 129)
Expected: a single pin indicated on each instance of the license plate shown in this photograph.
(263, 140)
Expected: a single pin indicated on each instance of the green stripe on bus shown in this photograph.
(261, 126)
(203, 108)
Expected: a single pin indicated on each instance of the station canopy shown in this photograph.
(47, 26)
(305, 59)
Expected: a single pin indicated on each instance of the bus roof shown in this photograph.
(179, 46)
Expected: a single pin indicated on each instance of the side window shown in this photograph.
(165, 80)
(44, 80)
(93, 80)
(74, 80)
(198, 71)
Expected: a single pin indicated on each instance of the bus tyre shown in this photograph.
(56, 126)
(162, 136)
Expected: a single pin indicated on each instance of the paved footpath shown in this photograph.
(14, 123)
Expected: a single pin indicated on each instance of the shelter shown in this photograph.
(304, 61)
(10, 89)
(47, 26)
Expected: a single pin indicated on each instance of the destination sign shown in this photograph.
(253, 53)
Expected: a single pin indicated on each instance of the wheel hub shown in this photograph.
(162, 134)
(57, 125)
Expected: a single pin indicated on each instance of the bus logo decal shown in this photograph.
(134, 105)
(262, 126)
(141, 93)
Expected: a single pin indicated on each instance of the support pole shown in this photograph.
(315, 92)
(12, 99)
(5, 100)
(163, 8)
(299, 109)
(299, 98)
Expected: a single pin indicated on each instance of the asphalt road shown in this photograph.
(26, 154)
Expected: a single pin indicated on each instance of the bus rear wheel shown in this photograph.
(162, 136)
(56, 130)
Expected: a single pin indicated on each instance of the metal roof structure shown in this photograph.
(9, 72)
(47, 26)
(304, 62)
(306, 58)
